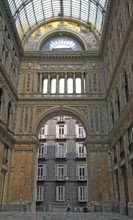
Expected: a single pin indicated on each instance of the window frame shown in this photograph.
(82, 193)
(62, 197)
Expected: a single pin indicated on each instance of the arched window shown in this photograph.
(126, 86)
(117, 101)
(62, 42)
(9, 113)
(1, 93)
(112, 113)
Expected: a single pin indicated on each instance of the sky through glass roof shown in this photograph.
(28, 13)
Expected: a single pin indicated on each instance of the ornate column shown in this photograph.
(74, 83)
(65, 82)
(49, 84)
(57, 83)
(40, 83)
(87, 80)
(82, 83)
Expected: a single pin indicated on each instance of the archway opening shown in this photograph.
(62, 169)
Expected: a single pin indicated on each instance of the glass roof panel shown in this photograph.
(28, 13)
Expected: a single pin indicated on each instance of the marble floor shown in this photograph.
(61, 216)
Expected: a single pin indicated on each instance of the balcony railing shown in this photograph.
(60, 178)
(40, 178)
(80, 136)
(81, 155)
(61, 136)
(42, 155)
(59, 155)
(81, 178)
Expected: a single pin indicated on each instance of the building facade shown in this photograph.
(62, 168)
(67, 64)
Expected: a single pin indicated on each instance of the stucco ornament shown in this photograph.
(33, 41)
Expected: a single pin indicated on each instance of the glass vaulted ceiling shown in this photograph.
(28, 13)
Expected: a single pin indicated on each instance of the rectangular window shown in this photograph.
(43, 132)
(81, 150)
(79, 130)
(61, 170)
(45, 86)
(82, 193)
(81, 172)
(130, 134)
(40, 191)
(61, 131)
(42, 151)
(60, 193)
(61, 118)
(121, 144)
(60, 151)
(41, 171)
(5, 155)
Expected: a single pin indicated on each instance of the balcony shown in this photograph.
(81, 155)
(81, 178)
(41, 136)
(60, 178)
(60, 136)
(42, 156)
(40, 178)
(80, 136)
(60, 156)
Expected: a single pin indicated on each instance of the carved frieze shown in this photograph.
(82, 109)
(40, 110)
(62, 67)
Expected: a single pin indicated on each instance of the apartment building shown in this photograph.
(62, 168)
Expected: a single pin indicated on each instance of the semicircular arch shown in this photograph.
(69, 33)
(53, 112)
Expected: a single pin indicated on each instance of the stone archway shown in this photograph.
(78, 113)
(50, 141)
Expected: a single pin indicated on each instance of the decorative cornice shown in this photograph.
(56, 55)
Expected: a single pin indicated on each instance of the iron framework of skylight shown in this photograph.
(28, 13)
(62, 42)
